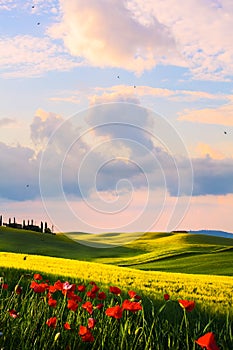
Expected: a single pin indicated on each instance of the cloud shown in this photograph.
(7, 5)
(205, 150)
(5, 122)
(138, 36)
(108, 148)
(18, 169)
(140, 91)
(28, 56)
(205, 45)
(212, 176)
(132, 35)
(107, 34)
(43, 125)
(114, 97)
(222, 115)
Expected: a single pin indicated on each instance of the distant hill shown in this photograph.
(215, 233)
(183, 252)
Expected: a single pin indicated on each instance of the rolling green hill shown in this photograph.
(172, 252)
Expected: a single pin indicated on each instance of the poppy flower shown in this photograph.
(115, 311)
(52, 322)
(73, 296)
(52, 302)
(88, 306)
(207, 342)
(132, 306)
(67, 326)
(38, 288)
(99, 306)
(188, 305)
(166, 296)
(101, 296)
(18, 289)
(91, 295)
(67, 286)
(91, 322)
(5, 286)
(95, 289)
(133, 295)
(37, 277)
(85, 334)
(81, 288)
(58, 285)
(72, 305)
(115, 290)
(13, 313)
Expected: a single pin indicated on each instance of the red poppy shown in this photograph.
(81, 288)
(38, 288)
(13, 313)
(52, 322)
(18, 289)
(73, 296)
(101, 296)
(207, 342)
(91, 295)
(52, 302)
(132, 306)
(133, 295)
(188, 305)
(88, 306)
(85, 334)
(37, 277)
(115, 311)
(99, 306)
(52, 289)
(72, 305)
(166, 296)
(91, 322)
(58, 285)
(5, 286)
(92, 283)
(95, 289)
(67, 326)
(115, 290)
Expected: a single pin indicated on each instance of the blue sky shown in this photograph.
(71, 68)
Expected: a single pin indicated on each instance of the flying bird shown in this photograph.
(33, 7)
(134, 86)
(38, 23)
(118, 77)
(27, 185)
(225, 132)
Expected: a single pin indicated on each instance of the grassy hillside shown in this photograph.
(174, 252)
(214, 290)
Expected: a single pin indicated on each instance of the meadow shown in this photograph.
(161, 322)
(161, 251)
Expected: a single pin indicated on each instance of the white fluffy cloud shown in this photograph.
(222, 115)
(131, 34)
(25, 55)
(138, 35)
(107, 34)
(201, 30)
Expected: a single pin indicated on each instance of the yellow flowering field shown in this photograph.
(205, 289)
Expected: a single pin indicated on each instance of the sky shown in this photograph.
(116, 115)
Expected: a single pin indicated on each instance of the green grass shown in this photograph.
(171, 252)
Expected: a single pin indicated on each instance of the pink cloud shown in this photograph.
(107, 34)
(222, 115)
